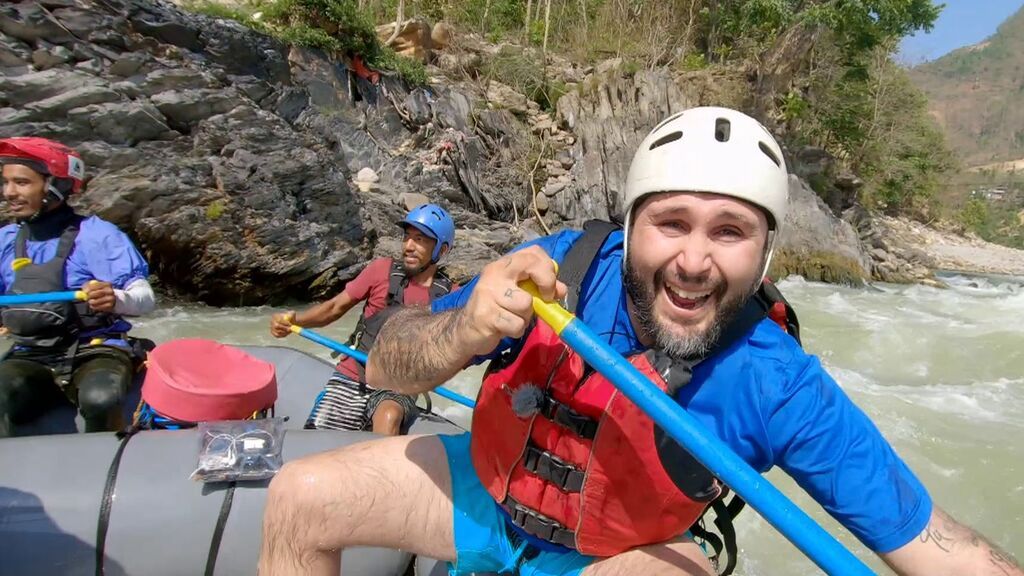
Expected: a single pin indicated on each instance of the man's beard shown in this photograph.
(689, 346)
(413, 271)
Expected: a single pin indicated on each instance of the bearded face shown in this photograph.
(693, 261)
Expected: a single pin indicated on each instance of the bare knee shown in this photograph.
(292, 522)
(288, 501)
(388, 417)
(300, 499)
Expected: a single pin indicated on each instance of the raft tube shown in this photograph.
(300, 378)
(52, 490)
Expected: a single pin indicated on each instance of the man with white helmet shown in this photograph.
(561, 474)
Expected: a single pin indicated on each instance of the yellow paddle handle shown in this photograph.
(80, 295)
(19, 263)
(552, 313)
(295, 328)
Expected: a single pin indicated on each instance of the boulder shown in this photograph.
(413, 39)
(60, 104)
(125, 123)
(30, 22)
(184, 108)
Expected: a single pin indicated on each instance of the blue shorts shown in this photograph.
(483, 540)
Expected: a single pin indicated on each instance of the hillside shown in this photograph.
(243, 177)
(975, 92)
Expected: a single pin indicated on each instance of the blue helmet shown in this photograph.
(433, 221)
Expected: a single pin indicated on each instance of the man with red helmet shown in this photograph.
(64, 351)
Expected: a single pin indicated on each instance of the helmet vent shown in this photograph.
(769, 153)
(666, 121)
(666, 139)
(722, 130)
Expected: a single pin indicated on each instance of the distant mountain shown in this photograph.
(977, 95)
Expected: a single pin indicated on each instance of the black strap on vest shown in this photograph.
(398, 281)
(64, 245)
(546, 465)
(539, 525)
(577, 261)
(218, 531)
(724, 516)
(107, 502)
(557, 412)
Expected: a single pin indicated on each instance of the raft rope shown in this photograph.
(107, 503)
(103, 523)
(218, 531)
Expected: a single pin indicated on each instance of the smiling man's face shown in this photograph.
(693, 261)
(24, 190)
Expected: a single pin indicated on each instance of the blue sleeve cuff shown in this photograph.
(885, 543)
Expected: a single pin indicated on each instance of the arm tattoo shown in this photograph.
(417, 350)
(951, 537)
(935, 535)
(1003, 562)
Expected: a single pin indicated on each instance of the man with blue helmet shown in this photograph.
(386, 285)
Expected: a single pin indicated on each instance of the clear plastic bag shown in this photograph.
(232, 450)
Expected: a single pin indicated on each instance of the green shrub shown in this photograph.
(215, 209)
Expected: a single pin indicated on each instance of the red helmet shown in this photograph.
(56, 159)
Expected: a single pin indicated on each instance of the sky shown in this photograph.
(961, 23)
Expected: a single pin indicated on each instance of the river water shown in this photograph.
(941, 372)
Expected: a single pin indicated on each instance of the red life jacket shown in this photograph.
(582, 468)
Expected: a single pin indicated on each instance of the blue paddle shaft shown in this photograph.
(454, 397)
(39, 298)
(778, 510)
(361, 358)
(333, 345)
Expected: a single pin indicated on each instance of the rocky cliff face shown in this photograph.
(230, 157)
(240, 164)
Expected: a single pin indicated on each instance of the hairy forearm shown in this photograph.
(946, 547)
(417, 351)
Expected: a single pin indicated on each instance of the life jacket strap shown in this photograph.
(546, 465)
(539, 525)
(561, 414)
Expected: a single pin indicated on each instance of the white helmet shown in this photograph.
(714, 150)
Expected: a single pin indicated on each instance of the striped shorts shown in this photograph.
(345, 404)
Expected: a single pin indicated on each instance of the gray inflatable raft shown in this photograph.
(300, 377)
(52, 490)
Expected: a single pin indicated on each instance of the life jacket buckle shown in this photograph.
(545, 465)
(538, 525)
(580, 425)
